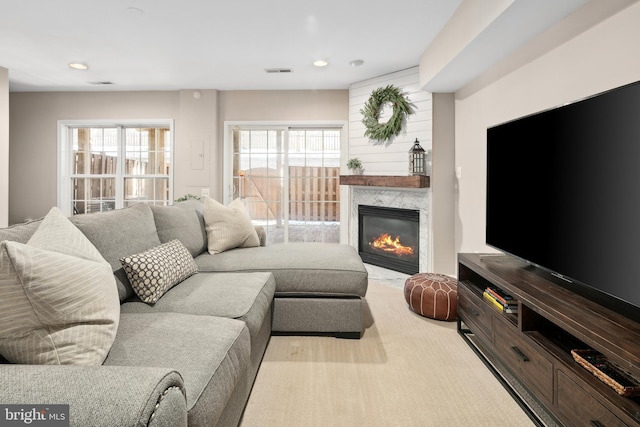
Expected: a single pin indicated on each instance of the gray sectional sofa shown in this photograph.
(192, 357)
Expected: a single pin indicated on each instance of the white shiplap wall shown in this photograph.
(391, 158)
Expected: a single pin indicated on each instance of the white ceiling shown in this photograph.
(227, 44)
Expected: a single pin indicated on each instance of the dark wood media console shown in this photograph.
(531, 350)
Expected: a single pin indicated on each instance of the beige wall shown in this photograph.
(600, 58)
(196, 132)
(33, 135)
(443, 184)
(292, 105)
(4, 147)
(34, 117)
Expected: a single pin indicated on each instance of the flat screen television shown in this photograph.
(563, 193)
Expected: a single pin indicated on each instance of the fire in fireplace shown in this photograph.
(385, 243)
(389, 237)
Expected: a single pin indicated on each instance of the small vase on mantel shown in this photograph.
(355, 166)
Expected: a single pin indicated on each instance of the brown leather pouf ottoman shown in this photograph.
(432, 295)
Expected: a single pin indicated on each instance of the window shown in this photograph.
(106, 166)
(288, 179)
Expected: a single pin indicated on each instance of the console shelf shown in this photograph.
(531, 350)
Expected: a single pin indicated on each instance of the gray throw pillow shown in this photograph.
(182, 221)
(118, 233)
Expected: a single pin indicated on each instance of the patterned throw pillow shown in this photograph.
(228, 227)
(58, 297)
(152, 273)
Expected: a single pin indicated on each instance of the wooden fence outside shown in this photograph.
(314, 193)
(96, 193)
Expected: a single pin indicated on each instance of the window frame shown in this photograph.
(65, 153)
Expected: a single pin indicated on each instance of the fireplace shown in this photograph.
(389, 237)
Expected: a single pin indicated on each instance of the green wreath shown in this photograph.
(371, 113)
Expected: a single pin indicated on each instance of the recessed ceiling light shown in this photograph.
(320, 63)
(78, 66)
(356, 62)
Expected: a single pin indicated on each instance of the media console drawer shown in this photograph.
(475, 313)
(580, 407)
(524, 360)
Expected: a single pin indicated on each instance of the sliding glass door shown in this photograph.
(288, 179)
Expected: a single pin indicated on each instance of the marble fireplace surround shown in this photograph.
(401, 198)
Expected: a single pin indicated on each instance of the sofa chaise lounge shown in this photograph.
(191, 357)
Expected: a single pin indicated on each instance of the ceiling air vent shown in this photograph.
(100, 83)
(278, 70)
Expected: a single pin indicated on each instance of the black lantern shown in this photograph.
(417, 159)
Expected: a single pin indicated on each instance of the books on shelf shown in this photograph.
(500, 300)
(492, 301)
(500, 295)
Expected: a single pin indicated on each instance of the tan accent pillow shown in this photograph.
(152, 273)
(59, 302)
(228, 227)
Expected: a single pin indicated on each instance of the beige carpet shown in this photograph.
(406, 371)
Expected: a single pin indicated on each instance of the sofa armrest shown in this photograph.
(262, 235)
(100, 395)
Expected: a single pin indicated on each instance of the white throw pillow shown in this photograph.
(228, 227)
(59, 302)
